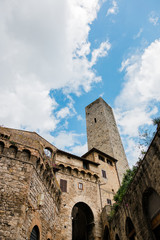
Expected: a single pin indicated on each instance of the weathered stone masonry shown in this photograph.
(50, 194)
(25, 176)
(102, 133)
(141, 204)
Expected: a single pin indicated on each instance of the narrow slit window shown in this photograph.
(80, 186)
(95, 120)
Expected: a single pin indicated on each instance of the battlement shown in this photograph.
(12, 151)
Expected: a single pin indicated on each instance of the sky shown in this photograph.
(59, 56)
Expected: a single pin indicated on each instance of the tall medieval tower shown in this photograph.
(102, 133)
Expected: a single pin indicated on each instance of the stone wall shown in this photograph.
(145, 181)
(88, 195)
(29, 191)
(96, 189)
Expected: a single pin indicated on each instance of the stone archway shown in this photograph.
(82, 222)
(130, 229)
(151, 208)
(106, 235)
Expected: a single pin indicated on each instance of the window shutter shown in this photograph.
(63, 185)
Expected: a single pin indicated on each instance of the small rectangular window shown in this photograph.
(104, 174)
(109, 202)
(101, 158)
(109, 162)
(85, 165)
(95, 120)
(80, 186)
(63, 185)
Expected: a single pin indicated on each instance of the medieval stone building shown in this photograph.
(49, 194)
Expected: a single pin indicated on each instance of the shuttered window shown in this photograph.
(63, 185)
(35, 233)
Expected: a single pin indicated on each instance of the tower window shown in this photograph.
(63, 185)
(101, 158)
(95, 120)
(104, 174)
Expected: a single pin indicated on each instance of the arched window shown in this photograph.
(35, 233)
(12, 151)
(151, 207)
(130, 230)
(48, 152)
(25, 155)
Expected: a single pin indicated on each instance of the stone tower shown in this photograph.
(102, 133)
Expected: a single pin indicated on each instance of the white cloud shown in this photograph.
(153, 18)
(136, 104)
(138, 34)
(113, 9)
(63, 112)
(133, 151)
(80, 149)
(44, 45)
(100, 52)
(67, 139)
(79, 117)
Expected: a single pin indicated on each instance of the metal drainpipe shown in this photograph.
(99, 184)
(117, 174)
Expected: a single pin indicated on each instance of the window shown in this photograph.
(130, 230)
(101, 158)
(95, 120)
(85, 165)
(80, 186)
(109, 162)
(35, 233)
(104, 174)
(63, 185)
(109, 202)
(48, 152)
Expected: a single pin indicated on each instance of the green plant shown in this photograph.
(128, 176)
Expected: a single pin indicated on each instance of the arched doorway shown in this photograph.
(151, 207)
(106, 235)
(35, 233)
(117, 237)
(130, 230)
(82, 222)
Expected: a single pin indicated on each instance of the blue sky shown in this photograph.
(59, 56)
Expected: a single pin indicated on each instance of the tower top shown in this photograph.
(98, 100)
